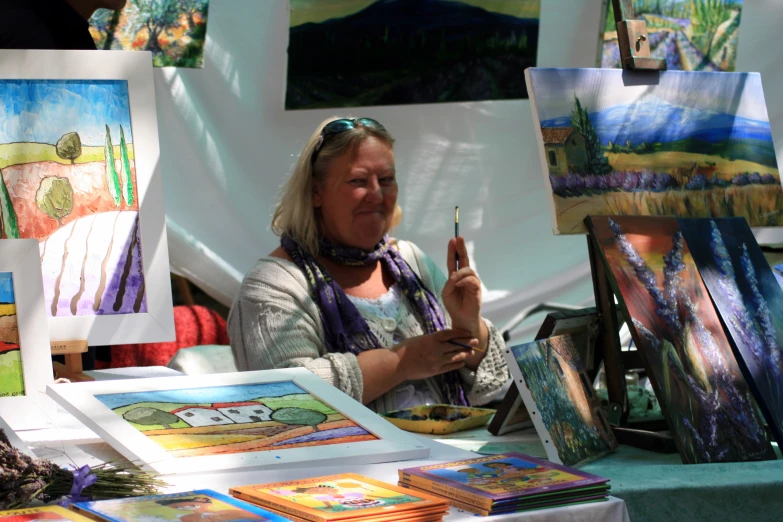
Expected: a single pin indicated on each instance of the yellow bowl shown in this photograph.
(439, 419)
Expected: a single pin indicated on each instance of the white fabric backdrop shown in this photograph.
(227, 145)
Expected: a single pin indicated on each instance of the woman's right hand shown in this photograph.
(431, 354)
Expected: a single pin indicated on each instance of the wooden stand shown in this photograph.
(72, 350)
(633, 41)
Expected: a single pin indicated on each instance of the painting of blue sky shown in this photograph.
(41, 111)
(678, 143)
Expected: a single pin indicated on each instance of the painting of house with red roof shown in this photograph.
(235, 419)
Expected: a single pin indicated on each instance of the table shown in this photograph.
(54, 434)
(659, 487)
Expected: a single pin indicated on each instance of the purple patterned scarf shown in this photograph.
(345, 328)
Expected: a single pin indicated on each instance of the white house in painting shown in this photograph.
(224, 413)
(251, 412)
(198, 417)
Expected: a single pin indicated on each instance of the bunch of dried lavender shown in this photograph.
(24, 479)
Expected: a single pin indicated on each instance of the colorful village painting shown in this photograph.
(234, 419)
(556, 385)
(682, 144)
(355, 53)
(69, 180)
(11, 375)
(691, 35)
(173, 30)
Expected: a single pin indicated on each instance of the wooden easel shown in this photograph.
(72, 350)
(635, 55)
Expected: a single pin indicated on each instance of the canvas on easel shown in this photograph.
(707, 404)
(558, 394)
(582, 325)
(749, 302)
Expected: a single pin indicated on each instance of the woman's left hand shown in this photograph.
(462, 293)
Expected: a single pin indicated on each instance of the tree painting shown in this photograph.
(174, 30)
(597, 163)
(707, 404)
(750, 303)
(112, 179)
(234, 419)
(64, 182)
(691, 35)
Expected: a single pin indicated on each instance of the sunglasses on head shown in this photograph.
(340, 126)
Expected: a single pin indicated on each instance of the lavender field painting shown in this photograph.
(691, 35)
(683, 144)
(750, 303)
(704, 397)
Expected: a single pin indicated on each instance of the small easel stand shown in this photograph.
(635, 55)
(72, 369)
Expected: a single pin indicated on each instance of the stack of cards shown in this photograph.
(193, 506)
(505, 483)
(346, 497)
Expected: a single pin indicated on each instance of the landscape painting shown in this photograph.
(11, 375)
(684, 144)
(173, 30)
(69, 180)
(354, 53)
(750, 303)
(554, 382)
(691, 35)
(234, 419)
(707, 404)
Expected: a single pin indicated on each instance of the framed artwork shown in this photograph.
(173, 30)
(358, 53)
(225, 421)
(25, 354)
(583, 327)
(79, 156)
(558, 394)
(699, 35)
(707, 403)
(749, 302)
(608, 145)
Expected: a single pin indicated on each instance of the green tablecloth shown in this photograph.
(657, 487)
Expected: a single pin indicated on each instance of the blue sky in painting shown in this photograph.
(738, 94)
(42, 111)
(212, 394)
(6, 287)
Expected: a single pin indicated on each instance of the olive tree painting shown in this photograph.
(691, 35)
(675, 143)
(68, 181)
(173, 30)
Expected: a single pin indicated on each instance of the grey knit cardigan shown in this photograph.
(274, 323)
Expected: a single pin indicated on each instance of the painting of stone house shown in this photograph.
(197, 417)
(565, 150)
(243, 412)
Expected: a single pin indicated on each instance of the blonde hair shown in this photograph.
(294, 214)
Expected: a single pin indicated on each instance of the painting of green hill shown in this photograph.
(11, 376)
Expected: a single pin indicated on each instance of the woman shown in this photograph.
(338, 288)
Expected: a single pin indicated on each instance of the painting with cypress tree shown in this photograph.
(707, 403)
(69, 180)
(674, 143)
(354, 53)
(750, 303)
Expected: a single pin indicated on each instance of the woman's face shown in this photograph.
(358, 197)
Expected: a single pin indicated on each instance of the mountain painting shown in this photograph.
(691, 35)
(750, 303)
(11, 375)
(355, 53)
(69, 180)
(707, 403)
(173, 30)
(684, 144)
(553, 381)
(234, 419)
